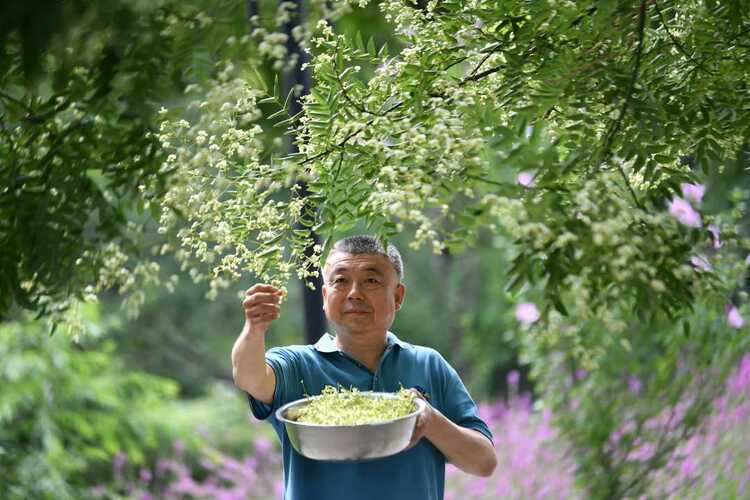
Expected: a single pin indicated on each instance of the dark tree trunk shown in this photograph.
(296, 77)
(252, 9)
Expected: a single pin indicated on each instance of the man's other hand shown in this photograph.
(424, 420)
(261, 305)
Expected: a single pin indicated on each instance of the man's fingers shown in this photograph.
(260, 298)
(263, 318)
(263, 297)
(422, 418)
(420, 423)
(418, 394)
(415, 436)
(261, 306)
(262, 287)
(253, 309)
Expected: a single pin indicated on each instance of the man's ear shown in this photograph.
(400, 292)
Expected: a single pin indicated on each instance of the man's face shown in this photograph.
(361, 292)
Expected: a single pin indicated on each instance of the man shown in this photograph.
(362, 291)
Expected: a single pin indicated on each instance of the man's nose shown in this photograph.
(355, 292)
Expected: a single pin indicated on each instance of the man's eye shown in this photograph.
(372, 283)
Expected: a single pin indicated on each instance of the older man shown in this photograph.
(362, 291)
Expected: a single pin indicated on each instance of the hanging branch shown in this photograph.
(677, 43)
(612, 132)
(359, 107)
(17, 102)
(343, 142)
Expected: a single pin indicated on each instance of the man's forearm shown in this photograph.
(249, 368)
(467, 449)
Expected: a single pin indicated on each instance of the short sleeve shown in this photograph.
(285, 365)
(458, 405)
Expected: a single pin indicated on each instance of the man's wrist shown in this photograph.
(248, 330)
(434, 420)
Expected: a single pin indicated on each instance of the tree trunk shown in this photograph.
(293, 78)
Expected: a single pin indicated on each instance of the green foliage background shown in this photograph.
(421, 117)
(68, 408)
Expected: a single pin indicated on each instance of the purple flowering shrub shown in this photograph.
(213, 476)
(714, 462)
(534, 460)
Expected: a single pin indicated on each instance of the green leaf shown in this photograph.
(358, 43)
(269, 251)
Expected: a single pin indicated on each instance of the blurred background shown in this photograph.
(125, 405)
(145, 408)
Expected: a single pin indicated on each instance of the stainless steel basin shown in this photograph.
(350, 442)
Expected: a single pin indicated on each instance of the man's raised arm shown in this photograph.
(249, 368)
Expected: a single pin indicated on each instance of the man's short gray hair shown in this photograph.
(368, 244)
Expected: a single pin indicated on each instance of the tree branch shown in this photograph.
(18, 102)
(488, 181)
(677, 43)
(481, 75)
(628, 98)
(457, 61)
(359, 107)
(346, 139)
(4, 130)
(484, 60)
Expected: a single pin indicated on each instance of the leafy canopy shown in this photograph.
(581, 132)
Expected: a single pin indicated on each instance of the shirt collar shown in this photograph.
(327, 343)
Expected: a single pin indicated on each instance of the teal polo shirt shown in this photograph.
(414, 474)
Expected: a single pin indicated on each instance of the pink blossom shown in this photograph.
(98, 491)
(734, 318)
(682, 211)
(717, 243)
(164, 465)
(179, 447)
(739, 382)
(279, 488)
(688, 467)
(513, 378)
(263, 445)
(693, 192)
(700, 262)
(118, 463)
(527, 313)
(145, 475)
(526, 179)
(642, 451)
(634, 384)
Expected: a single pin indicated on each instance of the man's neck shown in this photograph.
(367, 348)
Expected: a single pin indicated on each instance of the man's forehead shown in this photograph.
(338, 260)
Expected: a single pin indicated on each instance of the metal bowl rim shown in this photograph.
(421, 405)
